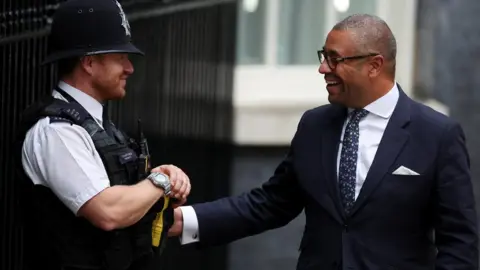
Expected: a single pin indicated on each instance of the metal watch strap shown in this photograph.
(166, 187)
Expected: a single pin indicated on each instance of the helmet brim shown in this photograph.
(121, 48)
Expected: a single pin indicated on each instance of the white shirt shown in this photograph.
(371, 129)
(62, 156)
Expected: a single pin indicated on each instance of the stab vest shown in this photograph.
(57, 239)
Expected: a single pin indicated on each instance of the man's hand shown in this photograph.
(179, 180)
(177, 227)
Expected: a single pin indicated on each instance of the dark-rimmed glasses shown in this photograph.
(333, 61)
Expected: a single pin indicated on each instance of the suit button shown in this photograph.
(345, 227)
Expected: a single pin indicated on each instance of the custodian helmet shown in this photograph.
(88, 27)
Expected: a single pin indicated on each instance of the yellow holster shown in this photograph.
(157, 226)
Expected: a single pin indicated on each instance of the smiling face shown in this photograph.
(348, 72)
(109, 73)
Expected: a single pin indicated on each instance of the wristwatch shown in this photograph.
(160, 180)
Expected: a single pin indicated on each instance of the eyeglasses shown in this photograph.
(333, 61)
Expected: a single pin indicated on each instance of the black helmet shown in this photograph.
(88, 27)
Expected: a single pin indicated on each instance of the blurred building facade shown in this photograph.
(276, 79)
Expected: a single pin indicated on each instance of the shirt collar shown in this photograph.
(385, 105)
(90, 104)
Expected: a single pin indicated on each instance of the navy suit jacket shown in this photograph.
(427, 221)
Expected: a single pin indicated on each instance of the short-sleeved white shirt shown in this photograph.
(62, 156)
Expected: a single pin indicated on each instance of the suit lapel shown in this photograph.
(392, 143)
(330, 142)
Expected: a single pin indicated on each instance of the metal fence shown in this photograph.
(182, 91)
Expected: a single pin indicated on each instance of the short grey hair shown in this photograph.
(371, 35)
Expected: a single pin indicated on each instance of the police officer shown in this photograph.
(89, 198)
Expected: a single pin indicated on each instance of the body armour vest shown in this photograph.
(54, 238)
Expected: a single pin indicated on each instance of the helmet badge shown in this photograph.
(125, 23)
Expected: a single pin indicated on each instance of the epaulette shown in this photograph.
(61, 111)
(58, 119)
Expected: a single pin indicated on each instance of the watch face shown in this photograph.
(160, 179)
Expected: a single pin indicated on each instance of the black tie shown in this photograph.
(106, 120)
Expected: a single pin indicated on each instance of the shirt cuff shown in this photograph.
(190, 226)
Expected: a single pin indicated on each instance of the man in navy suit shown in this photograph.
(384, 180)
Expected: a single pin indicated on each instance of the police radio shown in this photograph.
(144, 165)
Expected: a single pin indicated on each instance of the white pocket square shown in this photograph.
(404, 171)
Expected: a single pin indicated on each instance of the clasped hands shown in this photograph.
(179, 181)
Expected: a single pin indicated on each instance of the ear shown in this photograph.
(376, 64)
(86, 64)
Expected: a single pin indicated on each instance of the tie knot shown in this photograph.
(359, 114)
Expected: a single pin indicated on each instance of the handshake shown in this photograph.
(180, 189)
(179, 182)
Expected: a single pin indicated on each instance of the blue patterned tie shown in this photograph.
(347, 175)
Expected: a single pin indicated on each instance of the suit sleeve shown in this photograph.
(277, 202)
(456, 220)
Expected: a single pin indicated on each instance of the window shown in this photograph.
(251, 32)
(301, 30)
(289, 32)
(345, 8)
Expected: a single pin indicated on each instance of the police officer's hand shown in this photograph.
(179, 181)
